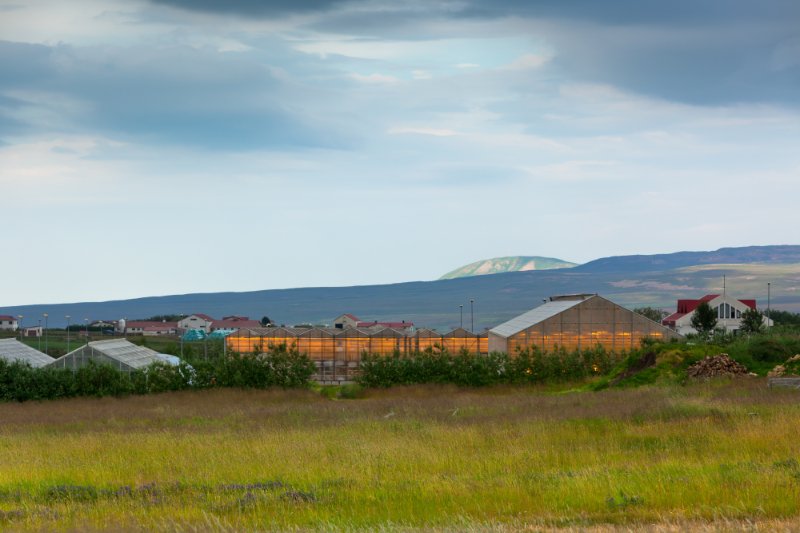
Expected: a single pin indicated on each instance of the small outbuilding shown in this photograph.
(11, 350)
(575, 322)
(119, 353)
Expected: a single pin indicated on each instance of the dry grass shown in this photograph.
(711, 456)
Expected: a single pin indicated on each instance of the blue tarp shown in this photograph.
(220, 333)
(194, 335)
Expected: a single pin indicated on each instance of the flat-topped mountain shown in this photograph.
(499, 265)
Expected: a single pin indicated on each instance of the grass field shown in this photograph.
(724, 455)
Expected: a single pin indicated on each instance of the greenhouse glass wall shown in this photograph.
(351, 343)
(338, 352)
(118, 353)
(576, 322)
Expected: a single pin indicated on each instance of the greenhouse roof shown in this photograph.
(12, 350)
(123, 351)
(534, 316)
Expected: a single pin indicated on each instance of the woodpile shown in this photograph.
(716, 365)
(790, 367)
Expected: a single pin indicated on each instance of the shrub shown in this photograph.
(279, 367)
(465, 369)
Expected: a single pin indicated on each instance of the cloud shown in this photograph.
(258, 8)
(181, 95)
(435, 132)
(374, 78)
(527, 61)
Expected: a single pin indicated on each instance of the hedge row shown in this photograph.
(465, 369)
(279, 367)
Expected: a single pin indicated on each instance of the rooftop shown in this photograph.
(556, 305)
(12, 350)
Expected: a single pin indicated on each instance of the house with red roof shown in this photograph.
(351, 321)
(150, 328)
(729, 312)
(235, 322)
(8, 323)
(346, 321)
(196, 321)
(375, 325)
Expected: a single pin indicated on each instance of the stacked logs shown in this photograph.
(716, 365)
(790, 367)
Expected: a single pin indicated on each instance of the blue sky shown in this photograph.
(177, 146)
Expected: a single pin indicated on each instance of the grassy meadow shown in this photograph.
(710, 455)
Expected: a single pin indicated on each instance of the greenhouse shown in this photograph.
(349, 344)
(11, 350)
(119, 353)
(575, 322)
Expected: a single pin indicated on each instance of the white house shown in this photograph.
(8, 323)
(150, 328)
(197, 321)
(729, 312)
(345, 321)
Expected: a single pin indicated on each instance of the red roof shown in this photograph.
(385, 324)
(150, 324)
(7, 317)
(236, 317)
(749, 303)
(203, 316)
(234, 324)
(160, 327)
(351, 317)
(687, 306)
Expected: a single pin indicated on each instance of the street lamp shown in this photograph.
(471, 315)
(67, 317)
(39, 334)
(45, 331)
(769, 290)
(461, 308)
(87, 329)
(19, 326)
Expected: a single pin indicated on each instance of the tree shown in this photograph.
(656, 315)
(784, 318)
(704, 319)
(265, 320)
(752, 321)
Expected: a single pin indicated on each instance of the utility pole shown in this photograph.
(472, 315)
(45, 331)
(769, 295)
(67, 317)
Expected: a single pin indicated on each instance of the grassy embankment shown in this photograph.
(422, 457)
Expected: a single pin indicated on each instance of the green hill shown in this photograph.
(499, 265)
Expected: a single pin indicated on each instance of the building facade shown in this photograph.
(197, 321)
(576, 322)
(728, 309)
(8, 323)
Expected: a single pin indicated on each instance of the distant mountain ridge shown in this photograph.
(741, 255)
(632, 281)
(499, 265)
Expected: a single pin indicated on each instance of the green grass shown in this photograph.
(420, 457)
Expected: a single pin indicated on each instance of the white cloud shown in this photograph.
(375, 78)
(436, 132)
(528, 61)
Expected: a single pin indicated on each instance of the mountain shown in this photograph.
(498, 265)
(742, 255)
(632, 281)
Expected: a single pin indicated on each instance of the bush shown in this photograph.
(465, 369)
(279, 367)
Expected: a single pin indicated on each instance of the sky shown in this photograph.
(179, 146)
